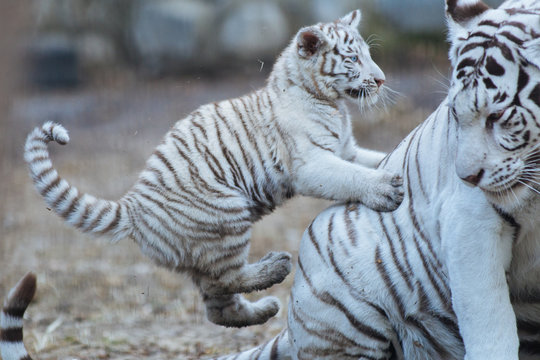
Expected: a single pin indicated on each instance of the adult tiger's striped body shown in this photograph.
(229, 163)
(454, 271)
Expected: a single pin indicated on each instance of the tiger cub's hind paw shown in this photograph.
(235, 311)
(272, 269)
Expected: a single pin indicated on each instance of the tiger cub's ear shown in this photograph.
(352, 19)
(309, 41)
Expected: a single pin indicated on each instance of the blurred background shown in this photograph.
(118, 74)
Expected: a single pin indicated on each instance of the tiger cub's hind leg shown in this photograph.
(235, 311)
(244, 278)
(224, 305)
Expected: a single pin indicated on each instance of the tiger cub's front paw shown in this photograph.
(385, 192)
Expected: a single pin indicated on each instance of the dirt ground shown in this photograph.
(98, 300)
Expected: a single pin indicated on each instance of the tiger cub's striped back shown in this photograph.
(229, 163)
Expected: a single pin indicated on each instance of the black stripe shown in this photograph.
(15, 312)
(511, 37)
(390, 285)
(466, 62)
(488, 23)
(328, 299)
(43, 173)
(530, 347)
(50, 186)
(489, 83)
(395, 256)
(68, 211)
(11, 335)
(404, 255)
(84, 216)
(492, 43)
(493, 67)
(535, 95)
(510, 221)
(322, 330)
(521, 26)
(437, 346)
(274, 352)
(313, 240)
(61, 197)
(529, 326)
(164, 239)
(114, 221)
(523, 80)
(98, 218)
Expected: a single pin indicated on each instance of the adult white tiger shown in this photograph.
(229, 163)
(447, 274)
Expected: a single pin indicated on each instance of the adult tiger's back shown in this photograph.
(229, 163)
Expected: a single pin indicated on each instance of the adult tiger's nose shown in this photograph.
(474, 179)
(379, 82)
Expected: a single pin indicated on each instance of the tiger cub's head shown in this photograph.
(495, 97)
(332, 61)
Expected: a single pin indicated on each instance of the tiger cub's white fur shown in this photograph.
(228, 163)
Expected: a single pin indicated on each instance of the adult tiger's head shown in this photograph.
(495, 96)
(332, 61)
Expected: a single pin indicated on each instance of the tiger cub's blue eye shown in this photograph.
(354, 58)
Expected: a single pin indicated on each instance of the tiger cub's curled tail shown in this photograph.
(85, 212)
(11, 319)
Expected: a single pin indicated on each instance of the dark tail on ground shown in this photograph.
(11, 319)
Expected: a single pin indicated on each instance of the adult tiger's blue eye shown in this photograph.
(354, 58)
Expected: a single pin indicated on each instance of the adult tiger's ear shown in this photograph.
(309, 41)
(463, 11)
(352, 19)
(459, 14)
(531, 52)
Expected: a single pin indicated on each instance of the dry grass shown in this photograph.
(101, 301)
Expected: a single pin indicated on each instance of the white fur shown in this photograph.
(12, 351)
(7, 321)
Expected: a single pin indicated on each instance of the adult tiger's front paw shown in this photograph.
(385, 192)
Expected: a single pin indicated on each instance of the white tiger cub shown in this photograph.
(454, 272)
(227, 164)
